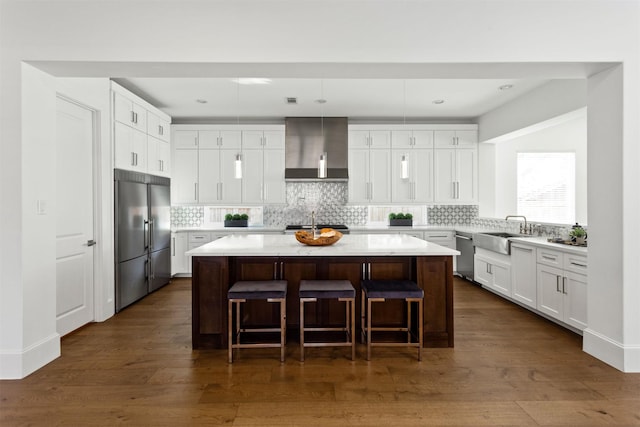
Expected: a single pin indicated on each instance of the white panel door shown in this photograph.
(467, 185)
(550, 297)
(359, 176)
(444, 175)
(230, 186)
(208, 176)
(252, 174)
(423, 175)
(184, 184)
(274, 184)
(74, 217)
(380, 175)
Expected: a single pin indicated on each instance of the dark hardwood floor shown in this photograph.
(509, 367)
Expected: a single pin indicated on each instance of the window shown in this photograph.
(546, 187)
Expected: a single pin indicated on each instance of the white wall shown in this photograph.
(286, 31)
(568, 135)
(550, 100)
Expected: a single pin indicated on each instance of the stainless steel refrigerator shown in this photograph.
(142, 235)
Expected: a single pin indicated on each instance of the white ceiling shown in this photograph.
(354, 90)
(354, 97)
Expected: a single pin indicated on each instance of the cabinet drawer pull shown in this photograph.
(549, 258)
(578, 264)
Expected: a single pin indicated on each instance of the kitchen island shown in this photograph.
(217, 265)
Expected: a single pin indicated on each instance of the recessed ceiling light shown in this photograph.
(201, 101)
(252, 81)
(320, 101)
(505, 87)
(438, 101)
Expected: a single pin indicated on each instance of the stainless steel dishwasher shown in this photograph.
(464, 244)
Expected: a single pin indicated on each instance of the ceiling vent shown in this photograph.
(292, 101)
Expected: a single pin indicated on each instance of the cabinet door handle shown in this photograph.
(364, 273)
(133, 117)
(369, 270)
(453, 190)
(275, 270)
(281, 269)
(160, 130)
(133, 158)
(195, 191)
(564, 285)
(557, 283)
(173, 246)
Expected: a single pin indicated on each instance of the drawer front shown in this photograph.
(200, 238)
(550, 257)
(434, 236)
(575, 263)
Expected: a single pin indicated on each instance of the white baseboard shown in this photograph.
(20, 363)
(621, 357)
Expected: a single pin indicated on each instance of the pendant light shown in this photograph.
(238, 166)
(404, 167)
(404, 162)
(238, 162)
(322, 161)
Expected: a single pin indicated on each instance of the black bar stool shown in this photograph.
(270, 290)
(342, 290)
(382, 290)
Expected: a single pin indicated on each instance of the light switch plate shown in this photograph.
(41, 207)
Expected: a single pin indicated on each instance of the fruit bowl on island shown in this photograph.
(326, 237)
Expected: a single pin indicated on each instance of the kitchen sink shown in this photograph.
(498, 241)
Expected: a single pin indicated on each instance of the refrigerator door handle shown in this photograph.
(151, 234)
(146, 234)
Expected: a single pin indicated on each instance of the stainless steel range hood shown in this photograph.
(306, 139)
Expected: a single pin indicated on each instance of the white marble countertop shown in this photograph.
(543, 243)
(348, 245)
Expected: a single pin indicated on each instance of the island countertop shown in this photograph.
(348, 245)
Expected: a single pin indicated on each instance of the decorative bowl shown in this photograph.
(326, 237)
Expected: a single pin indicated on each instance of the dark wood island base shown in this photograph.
(213, 275)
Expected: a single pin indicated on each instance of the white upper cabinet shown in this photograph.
(141, 134)
(226, 139)
(405, 139)
(369, 139)
(417, 187)
(215, 150)
(130, 148)
(455, 175)
(369, 176)
(158, 127)
(455, 138)
(260, 138)
(129, 112)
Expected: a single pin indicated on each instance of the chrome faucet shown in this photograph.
(523, 230)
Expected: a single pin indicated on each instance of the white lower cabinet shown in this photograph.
(179, 261)
(493, 271)
(562, 287)
(523, 274)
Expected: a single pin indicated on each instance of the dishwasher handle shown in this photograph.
(458, 236)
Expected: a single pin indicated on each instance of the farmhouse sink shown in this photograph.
(498, 241)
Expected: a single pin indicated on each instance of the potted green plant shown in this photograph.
(578, 235)
(236, 220)
(401, 219)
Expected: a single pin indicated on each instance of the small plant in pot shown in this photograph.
(401, 219)
(236, 220)
(578, 235)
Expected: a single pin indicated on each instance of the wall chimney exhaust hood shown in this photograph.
(310, 139)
